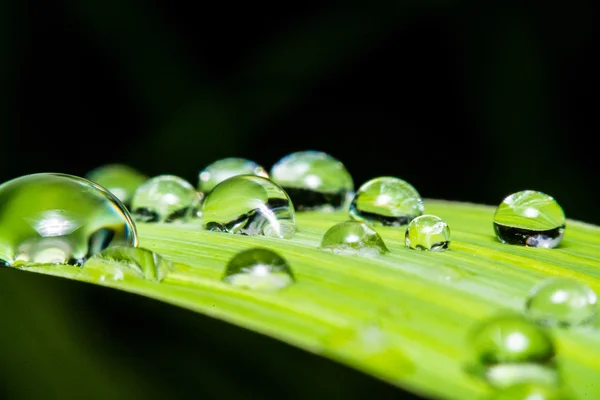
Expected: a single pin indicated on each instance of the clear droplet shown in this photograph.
(531, 391)
(510, 350)
(225, 168)
(249, 205)
(386, 201)
(314, 181)
(122, 261)
(52, 218)
(121, 180)
(353, 238)
(165, 198)
(258, 269)
(427, 232)
(530, 218)
(561, 302)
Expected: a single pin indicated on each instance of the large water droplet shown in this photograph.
(427, 232)
(258, 269)
(353, 238)
(225, 168)
(531, 391)
(386, 201)
(249, 205)
(165, 198)
(314, 180)
(121, 180)
(560, 301)
(57, 218)
(530, 218)
(122, 261)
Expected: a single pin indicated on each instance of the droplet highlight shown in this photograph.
(122, 261)
(50, 218)
(427, 232)
(530, 218)
(258, 269)
(353, 238)
(121, 180)
(315, 181)
(249, 205)
(226, 168)
(386, 201)
(531, 391)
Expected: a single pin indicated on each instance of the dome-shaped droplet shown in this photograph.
(258, 269)
(353, 238)
(116, 262)
(249, 205)
(57, 218)
(225, 168)
(427, 232)
(164, 198)
(314, 180)
(386, 201)
(530, 218)
(531, 391)
(121, 180)
(561, 301)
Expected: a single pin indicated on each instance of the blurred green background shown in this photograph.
(467, 102)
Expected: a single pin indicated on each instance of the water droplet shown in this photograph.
(120, 180)
(249, 205)
(258, 269)
(530, 218)
(165, 198)
(427, 232)
(353, 238)
(386, 201)
(59, 219)
(314, 180)
(530, 391)
(510, 350)
(225, 168)
(562, 302)
(136, 260)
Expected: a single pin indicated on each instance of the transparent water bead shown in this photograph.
(530, 218)
(531, 391)
(427, 232)
(122, 261)
(386, 201)
(314, 180)
(121, 180)
(561, 302)
(225, 168)
(353, 238)
(249, 205)
(258, 269)
(59, 219)
(165, 198)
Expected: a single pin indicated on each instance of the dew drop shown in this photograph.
(353, 238)
(131, 260)
(165, 198)
(529, 218)
(52, 218)
(315, 181)
(258, 269)
(531, 391)
(225, 168)
(121, 180)
(561, 302)
(427, 232)
(249, 205)
(386, 201)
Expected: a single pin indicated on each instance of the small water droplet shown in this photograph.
(139, 261)
(226, 168)
(531, 391)
(258, 269)
(530, 218)
(386, 201)
(353, 238)
(249, 205)
(561, 302)
(165, 198)
(121, 180)
(52, 218)
(315, 181)
(427, 232)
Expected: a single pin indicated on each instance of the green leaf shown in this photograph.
(403, 317)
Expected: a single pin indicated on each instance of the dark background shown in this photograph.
(466, 102)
